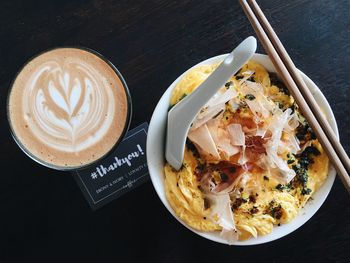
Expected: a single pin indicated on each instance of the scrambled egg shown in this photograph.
(263, 201)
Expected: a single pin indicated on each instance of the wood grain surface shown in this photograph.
(44, 217)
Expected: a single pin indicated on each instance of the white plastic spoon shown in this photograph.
(183, 113)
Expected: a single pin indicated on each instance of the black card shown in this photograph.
(123, 170)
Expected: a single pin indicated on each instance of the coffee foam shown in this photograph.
(68, 107)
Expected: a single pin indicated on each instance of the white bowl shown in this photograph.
(156, 159)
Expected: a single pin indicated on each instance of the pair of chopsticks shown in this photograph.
(297, 87)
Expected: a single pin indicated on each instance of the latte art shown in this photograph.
(72, 106)
(69, 101)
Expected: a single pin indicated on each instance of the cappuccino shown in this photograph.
(68, 107)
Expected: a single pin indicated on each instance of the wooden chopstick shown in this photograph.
(301, 84)
(292, 79)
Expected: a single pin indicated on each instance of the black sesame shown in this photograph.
(250, 97)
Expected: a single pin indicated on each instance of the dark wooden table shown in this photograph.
(44, 217)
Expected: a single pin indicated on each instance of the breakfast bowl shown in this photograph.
(156, 159)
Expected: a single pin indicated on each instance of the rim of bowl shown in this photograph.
(154, 167)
